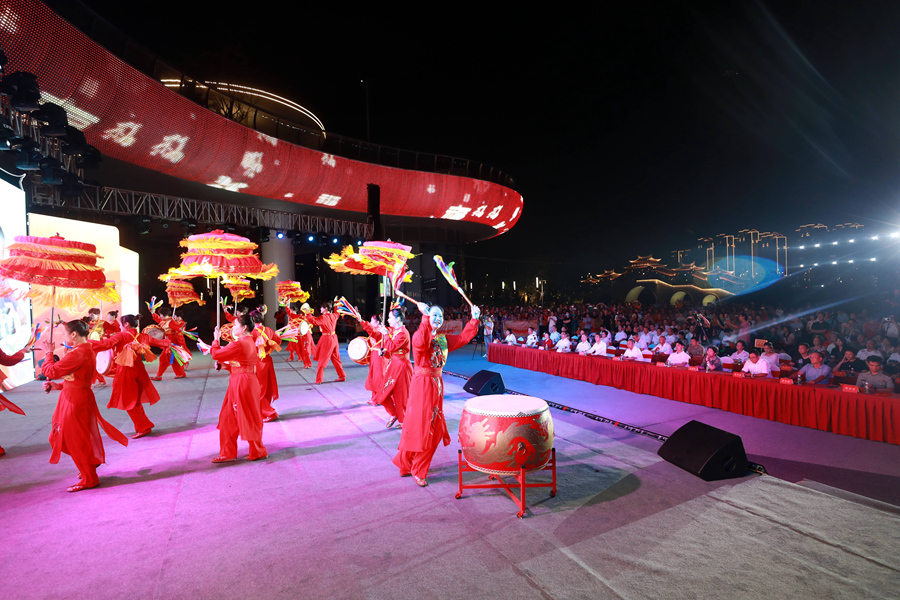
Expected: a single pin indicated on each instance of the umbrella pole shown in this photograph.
(52, 317)
(218, 300)
(384, 304)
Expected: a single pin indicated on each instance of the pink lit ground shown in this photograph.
(326, 515)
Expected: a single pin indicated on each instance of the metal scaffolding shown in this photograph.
(113, 201)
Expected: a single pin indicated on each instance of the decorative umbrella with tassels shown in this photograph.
(375, 258)
(63, 273)
(217, 254)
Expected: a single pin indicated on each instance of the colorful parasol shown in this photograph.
(181, 293)
(238, 287)
(62, 273)
(290, 291)
(447, 271)
(217, 253)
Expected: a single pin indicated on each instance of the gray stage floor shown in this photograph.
(327, 516)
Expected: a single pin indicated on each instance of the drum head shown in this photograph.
(358, 350)
(505, 405)
(304, 328)
(155, 332)
(104, 360)
(225, 333)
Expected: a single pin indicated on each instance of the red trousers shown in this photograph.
(228, 436)
(164, 364)
(139, 418)
(265, 407)
(417, 463)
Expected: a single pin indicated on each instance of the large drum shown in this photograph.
(504, 433)
(358, 350)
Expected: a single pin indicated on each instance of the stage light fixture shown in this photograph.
(89, 158)
(144, 225)
(311, 238)
(279, 234)
(28, 156)
(54, 119)
(51, 171)
(334, 240)
(72, 186)
(23, 91)
(229, 228)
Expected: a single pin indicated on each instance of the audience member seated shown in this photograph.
(755, 367)
(599, 347)
(510, 338)
(679, 358)
(621, 336)
(546, 342)
(663, 346)
(819, 325)
(816, 371)
(712, 362)
(695, 349)
(869, 350)
(563, 345)
(631, 351)
(584, 345)
(740, 354)
(554, 335)
(851, 363)
(875, 377)
(770, 356)
(532, 340)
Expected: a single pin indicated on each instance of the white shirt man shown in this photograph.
(599, 347)
(633, 351)
(563, 345)
(679, 358)
(584, 345)
(756, 367)
(646, 338)
(639, 343)
(663, 347)
(554, 335)
(869, 351)
(740, 353)
(532, 340)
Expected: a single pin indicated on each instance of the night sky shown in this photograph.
(629, 128)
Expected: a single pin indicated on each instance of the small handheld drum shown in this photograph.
(225, 333)
(154, 331)
(95, 335)
(503, 433)
(304, 328)
(105, 361)
(358, 350)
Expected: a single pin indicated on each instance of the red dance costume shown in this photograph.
(172, 328)
(265, 371)
(304, 342)
(425, 427)
(327, 348)
(132, 387)
(377, 366)
(394, 390)
(9, 360)
(75, 419)
(240, 413)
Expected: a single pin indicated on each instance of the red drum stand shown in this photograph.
(511, 486)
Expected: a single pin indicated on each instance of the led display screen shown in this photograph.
(134, 118)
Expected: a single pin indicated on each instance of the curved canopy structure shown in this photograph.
(136, 119)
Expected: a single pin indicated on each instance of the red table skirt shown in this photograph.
(859, 415)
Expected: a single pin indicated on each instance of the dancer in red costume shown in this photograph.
(9, 360)
(95, 332)
(267, 342)
(172, 327)
(240, 413)
(132, 387)
(304, 345)
(395, 347)
(75, 419)
(111, 326)
(425, 427)
(377, 363)
(327, 348)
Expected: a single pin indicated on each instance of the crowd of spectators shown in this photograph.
(814, 343)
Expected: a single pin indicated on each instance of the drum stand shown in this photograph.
(508, 487)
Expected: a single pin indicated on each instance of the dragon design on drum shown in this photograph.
(524, 443)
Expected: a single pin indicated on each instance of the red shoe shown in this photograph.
(80, 486)
(2, 451)
(141, 434)
(223, 459)
(157, 378)
(259, 457)
(420, 482)
(180, 376)
(339, 379)
(270, 418)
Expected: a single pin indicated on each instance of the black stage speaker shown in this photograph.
(485, 383)
(705, 451)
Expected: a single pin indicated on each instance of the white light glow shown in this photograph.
(328, 200)
(895, 234)
(817, 245)
(834, 243)
(802, 247)
(851, 241)
(872, 259)
(834, 262)
(815, 264)
(874, 237)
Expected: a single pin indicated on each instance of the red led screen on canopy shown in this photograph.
(136, 119)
